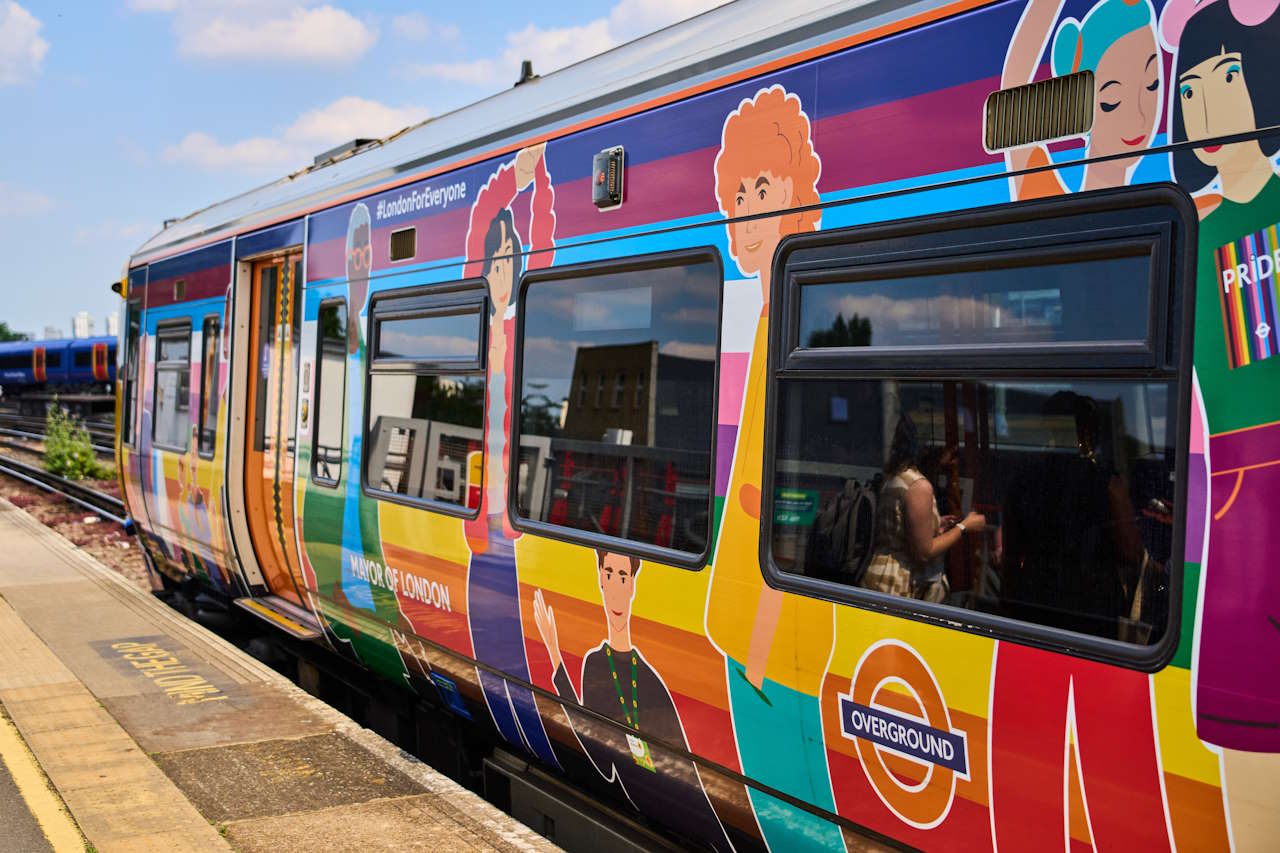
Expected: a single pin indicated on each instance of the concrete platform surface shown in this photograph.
(159, 735)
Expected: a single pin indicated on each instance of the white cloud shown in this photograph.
(416, 26)
(17, 201)
(22, 49)
(110, 230)
(264, 30)
(314, 131)
(551, 49)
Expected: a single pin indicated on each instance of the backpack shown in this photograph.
(843, 536)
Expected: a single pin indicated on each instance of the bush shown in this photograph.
(68, 452)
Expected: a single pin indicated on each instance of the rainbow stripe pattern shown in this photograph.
(1249, 295)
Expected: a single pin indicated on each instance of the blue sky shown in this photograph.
(121, 113)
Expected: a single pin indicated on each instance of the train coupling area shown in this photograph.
(153, 733)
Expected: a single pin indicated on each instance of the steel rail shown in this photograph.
(99, 503)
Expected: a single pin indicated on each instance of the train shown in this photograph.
(80, 371)
(811, 426)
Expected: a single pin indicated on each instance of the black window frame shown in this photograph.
(667, 556)
(132, 366)
(1161, 213)
(316, 398)
(417, 301)
(161, 329)
(216, 320)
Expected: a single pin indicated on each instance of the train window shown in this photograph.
(171, 423)
(331, 392)
(208, 414)
(82, 359)
(52, 359)
(133, 331)
(424, 422)
(1018, 475)
(635, 477)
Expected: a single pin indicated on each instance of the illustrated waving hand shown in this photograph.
(545, 617)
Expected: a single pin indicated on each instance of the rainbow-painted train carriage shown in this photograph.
(863, 430)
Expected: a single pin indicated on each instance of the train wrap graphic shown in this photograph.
(543, 464)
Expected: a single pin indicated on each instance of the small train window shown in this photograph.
(208, 414)
(635, 478)
(171, 424)
(133, 334)
(974, 418)
(331, 392)
(424, 421)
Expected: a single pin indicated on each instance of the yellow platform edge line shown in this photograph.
(45, 806)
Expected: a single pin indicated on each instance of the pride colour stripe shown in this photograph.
(1249, 295)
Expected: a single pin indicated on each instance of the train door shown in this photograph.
(274, 336)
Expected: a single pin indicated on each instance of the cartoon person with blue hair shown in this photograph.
(1116, 40)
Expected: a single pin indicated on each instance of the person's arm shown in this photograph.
(1025, 50)
(924, 544)
(542, 225)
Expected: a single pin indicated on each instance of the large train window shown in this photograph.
(331, 392)
(629, 465)
(424, 421)
(208, 414)
(975, 419)
(171, 419)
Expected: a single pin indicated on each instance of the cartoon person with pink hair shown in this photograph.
(496, 250)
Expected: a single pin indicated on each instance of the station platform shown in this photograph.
(159, 735)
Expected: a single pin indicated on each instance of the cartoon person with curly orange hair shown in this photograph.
(766, 183)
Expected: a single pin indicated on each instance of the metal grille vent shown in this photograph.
(404, 244)
(180, 290)
(1056, 108)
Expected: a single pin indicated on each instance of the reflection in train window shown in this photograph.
(1073, 482)
(331, 392)
(424, 425)
(978, 414)
(632, 459)
(171, 424)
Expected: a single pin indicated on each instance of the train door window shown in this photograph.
(974, 419)
(635, 477)
(133, 332)
(424, 425)
(171, 424)
(331, 392)
(208, 414)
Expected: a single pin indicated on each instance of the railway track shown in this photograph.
(99, 503)
(101, 434)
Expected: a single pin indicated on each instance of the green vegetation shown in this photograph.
(68, 452)
(7, 334)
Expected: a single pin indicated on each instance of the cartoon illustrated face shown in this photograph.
(617, 574)
(757, 239)
(501, 272)
(1127, 100)
(1214, 97)
(766, 164)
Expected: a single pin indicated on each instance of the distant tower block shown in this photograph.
(82, 325)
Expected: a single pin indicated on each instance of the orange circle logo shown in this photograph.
(899, 722)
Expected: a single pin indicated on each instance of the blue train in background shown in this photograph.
(79, 371)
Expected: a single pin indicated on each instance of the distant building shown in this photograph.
(112, 324)
(82, 325)
(51, 333)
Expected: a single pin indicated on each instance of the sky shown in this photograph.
(119, 114)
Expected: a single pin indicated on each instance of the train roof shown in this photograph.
(56, 343)
(732, 38)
